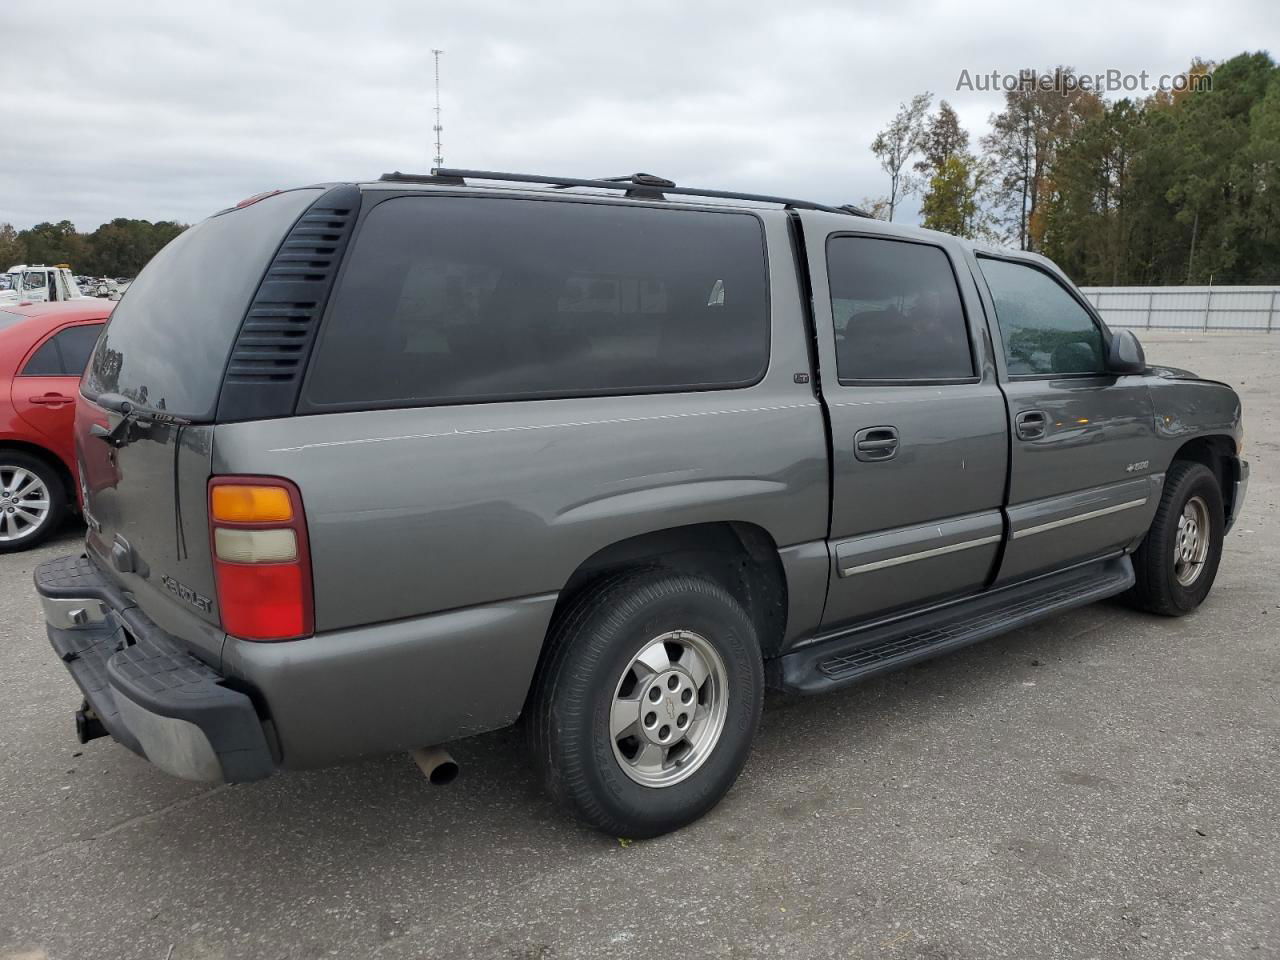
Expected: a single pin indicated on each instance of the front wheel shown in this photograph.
(644, 711)
(1178, 561)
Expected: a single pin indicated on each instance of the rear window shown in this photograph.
(453, 299)
(168, 339)
(64, 354)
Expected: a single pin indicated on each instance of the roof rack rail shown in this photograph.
(642, 185)
(432, 177)
(638, 185)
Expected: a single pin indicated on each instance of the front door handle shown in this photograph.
(1031, 424)
(875, 443)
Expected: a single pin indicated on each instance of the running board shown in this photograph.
(849, 657)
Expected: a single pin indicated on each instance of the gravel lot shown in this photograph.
(1102, 785)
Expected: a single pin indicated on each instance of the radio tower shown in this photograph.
(438, 128)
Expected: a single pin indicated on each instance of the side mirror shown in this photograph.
(1124, 353)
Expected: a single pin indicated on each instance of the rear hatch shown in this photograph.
(144, 420)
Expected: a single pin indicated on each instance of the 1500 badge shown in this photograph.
(1135, 467)
(183, 592)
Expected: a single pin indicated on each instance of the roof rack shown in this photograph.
(638, 185)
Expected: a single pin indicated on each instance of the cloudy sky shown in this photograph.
(174, 110)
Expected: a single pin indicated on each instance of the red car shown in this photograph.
(43, 350)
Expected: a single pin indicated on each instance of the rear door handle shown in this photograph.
(875, 443)
(1031, 424)
(50, 398)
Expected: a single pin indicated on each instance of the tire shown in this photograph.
(1166, 583)
(630, 785)
(22, 478)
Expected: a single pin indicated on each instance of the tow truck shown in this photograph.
(37, 283)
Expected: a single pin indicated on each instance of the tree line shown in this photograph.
(1178, 187)
(116, 249)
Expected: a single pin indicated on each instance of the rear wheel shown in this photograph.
(1178, 561)
(32, 500)
(643, 714)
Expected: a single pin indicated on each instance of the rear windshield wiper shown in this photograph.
(129, 413)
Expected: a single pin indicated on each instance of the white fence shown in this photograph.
(1188, 308)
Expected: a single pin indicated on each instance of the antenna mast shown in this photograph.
(438, 128)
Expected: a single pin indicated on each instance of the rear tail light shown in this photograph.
(261, 558)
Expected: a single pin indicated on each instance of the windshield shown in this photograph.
(167, 343)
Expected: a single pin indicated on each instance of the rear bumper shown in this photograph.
(296, 704)
(149, 693)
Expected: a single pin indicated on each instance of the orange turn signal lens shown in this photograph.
(242, 503)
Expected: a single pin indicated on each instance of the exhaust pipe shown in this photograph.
(436, 764)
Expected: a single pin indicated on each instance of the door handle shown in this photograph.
(1031, 424)
(50, 398)
(875, 443)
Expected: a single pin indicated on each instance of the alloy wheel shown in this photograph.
(1191, 541)
(24, 503)
(668, 709)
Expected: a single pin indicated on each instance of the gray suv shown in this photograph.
(436, 454)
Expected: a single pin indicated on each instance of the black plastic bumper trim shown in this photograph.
(128, 656)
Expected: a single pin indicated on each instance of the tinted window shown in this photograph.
(460, 299)
(65, 354)
(168, 339)
(75, 344)
(897, 311)
(45, 362)
(1045, 331)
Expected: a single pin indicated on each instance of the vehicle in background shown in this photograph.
(37, 283)
(105, 287)
(373, 467)
(43, 350)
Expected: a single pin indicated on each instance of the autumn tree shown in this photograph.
(1090, 211)
(896, 144)
(952, 203)
(954, 177)
(1178, 187)
(876, 207)
(943, 138)
(1037, 120)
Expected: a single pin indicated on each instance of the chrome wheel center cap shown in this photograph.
(662, 714)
